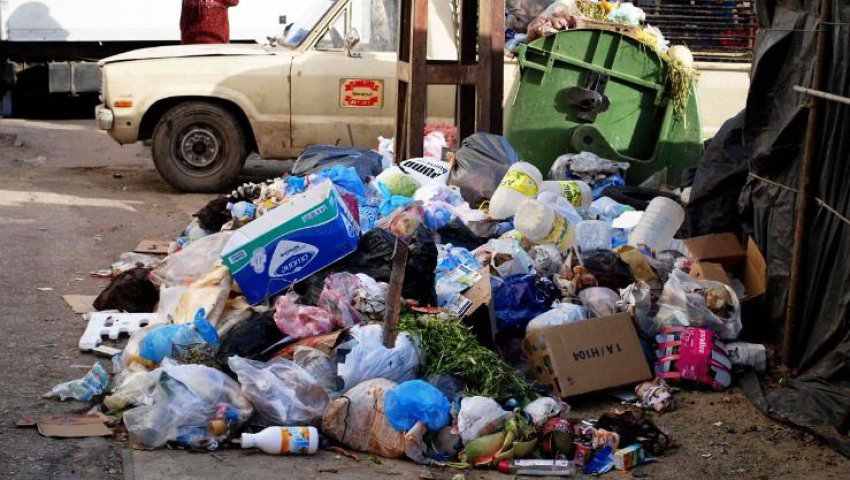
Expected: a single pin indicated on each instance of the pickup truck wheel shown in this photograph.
(199, 147)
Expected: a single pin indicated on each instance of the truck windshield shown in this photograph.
(304, 20)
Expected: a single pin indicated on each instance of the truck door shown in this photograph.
(345, 99)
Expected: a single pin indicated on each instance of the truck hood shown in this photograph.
(182, 51)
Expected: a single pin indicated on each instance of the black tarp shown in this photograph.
(767, 142)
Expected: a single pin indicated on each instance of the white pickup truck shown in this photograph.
(330, 80)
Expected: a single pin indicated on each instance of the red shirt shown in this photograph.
(205, 21)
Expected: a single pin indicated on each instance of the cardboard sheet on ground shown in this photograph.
(80, 304)
(73, 426)
(155, 247)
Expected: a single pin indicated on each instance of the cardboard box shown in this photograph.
(288, 244)
(587, 356)
(722, 248)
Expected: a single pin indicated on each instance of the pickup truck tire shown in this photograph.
(199, 147)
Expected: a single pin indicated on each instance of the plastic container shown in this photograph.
(284, 440)
(242, 211)
(543, 225)
(593, 235)
(578, 193)
(561, 205)
(607, 209)
(659, 224)
(522, 181)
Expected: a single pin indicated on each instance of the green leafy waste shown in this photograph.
(450, 348)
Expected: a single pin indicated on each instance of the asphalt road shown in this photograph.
(71, 201)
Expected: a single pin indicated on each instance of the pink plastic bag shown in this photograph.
(693, 354)
(301, 321)
(337, 297)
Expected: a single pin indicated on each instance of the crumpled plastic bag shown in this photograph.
(192, 262)
(318, 364)
(94, 383)
(370, 297)
(560, 15)
(236, 310)
(637, 298)
(600, 301)
(283, 393)
(544, 408)
(337, 297)
(405, 221)
(416, 401)
(689, 302)
(209, 292)
(130, 260)
(366, 357)
(547, 259)
(149, 346)
(132, 388)
(505, 256)
(301, 321)
(519, 298)
(357, 420)
(479, 416)
(560, 314)
(627, 13)
(186, 399)
(585, 166)
(254, 338)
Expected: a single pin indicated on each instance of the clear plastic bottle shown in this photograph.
(578, 193)
(607, 209)
(560, 205)
(659, 224)
(543, 225)
(284, 440)
(593, 235)
(522, 181)
(538, 468)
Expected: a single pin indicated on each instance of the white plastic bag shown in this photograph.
(685, 302)
(368, 358)
(560, 314)
(544, 408)
(283, 393)
(599, 301)
(434, 144)
(479, 416)
(637, 298)
(191, 263)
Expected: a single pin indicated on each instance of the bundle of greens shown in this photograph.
(449, 348)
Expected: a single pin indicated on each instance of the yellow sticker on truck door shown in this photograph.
(361, 93)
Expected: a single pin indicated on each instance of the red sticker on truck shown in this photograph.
(361, 93)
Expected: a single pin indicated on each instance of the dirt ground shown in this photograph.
(71, 201)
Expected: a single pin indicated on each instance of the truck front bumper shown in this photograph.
(105, 118)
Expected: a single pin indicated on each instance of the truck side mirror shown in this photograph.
(352, 39)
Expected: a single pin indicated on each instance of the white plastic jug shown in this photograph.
(607, 209)
(561, 205)
(522, 181)
(658, 225)
(543, 225)
(578, 193)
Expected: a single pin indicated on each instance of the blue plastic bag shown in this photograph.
(599, 187)
(84, 389)
(159, 342)
(345, 177)
(295, 185)
(416, 401)
(517, 299)
(390, 202)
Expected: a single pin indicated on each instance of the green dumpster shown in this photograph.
(604, 92)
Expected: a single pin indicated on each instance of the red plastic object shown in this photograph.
(205, 21)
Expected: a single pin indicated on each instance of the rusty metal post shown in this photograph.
(393, 308)
(789, 357)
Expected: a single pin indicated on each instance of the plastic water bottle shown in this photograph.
(538, 468)
(659, 224)
(561, 205)
(593, 235)
(543, 225)
(576, 192)
(242, 211)
(522, 181)
(284, 440)
(607, 209)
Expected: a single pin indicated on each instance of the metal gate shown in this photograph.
(714, 30)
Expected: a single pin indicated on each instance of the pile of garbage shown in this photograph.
(271, 322)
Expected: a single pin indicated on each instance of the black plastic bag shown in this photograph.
(459, 235)
(319, 157)
(214, 215)
(608, 269)
(252, 338)
(479, 166)
(130, 292)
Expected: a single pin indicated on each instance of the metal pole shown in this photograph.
(804, 197)
(824, 95)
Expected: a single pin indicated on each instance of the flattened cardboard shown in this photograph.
(80, 304)
(480, 293)
(155, 247)
(588, 356)
(722, 248)
(755, 271)
(72, 426)
(710, 271)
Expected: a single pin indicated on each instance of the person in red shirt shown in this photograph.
(205, 21)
